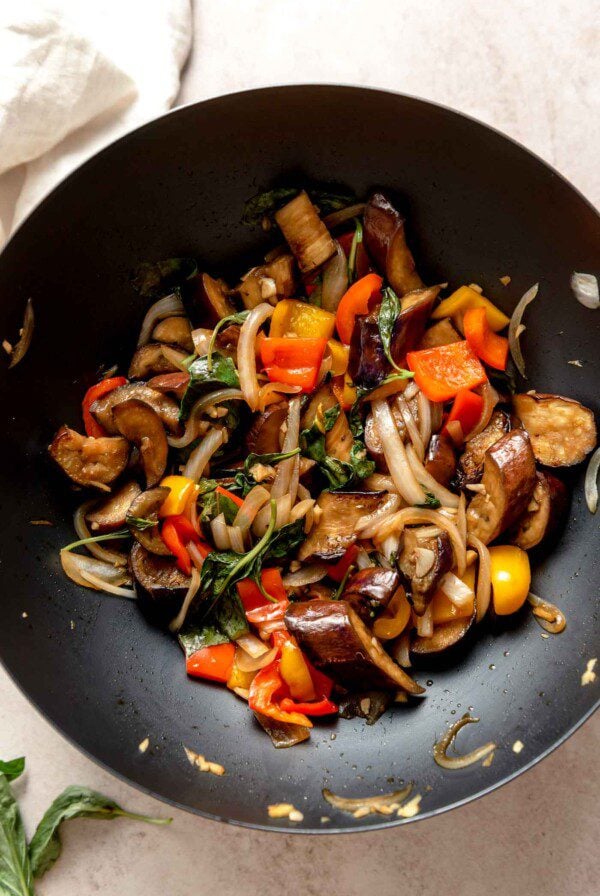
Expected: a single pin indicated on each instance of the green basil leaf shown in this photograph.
(206, 378)
(74, 802)
(158, 278)
(389, 312)
(139, 523)
(194, 636)
(356, 241)
(230, 616)
(338, 473)
(285, 541)
(15, 868)
(245, 481)
(431, 500)
(12, 769)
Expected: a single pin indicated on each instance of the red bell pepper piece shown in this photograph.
(92, 427)
(267, 613)
(252, 597)
(443, 371)
(293, 360)
(322, 707)
(177, 531)
(214, 663)
(338, 570)
(466, 410)
(263, 697)
(227, 494)
(355, 301)
(487, 345)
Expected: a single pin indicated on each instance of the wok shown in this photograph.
(479, 207)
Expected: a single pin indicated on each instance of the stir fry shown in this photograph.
(322, 476)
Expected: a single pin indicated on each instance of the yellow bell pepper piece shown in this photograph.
(394, 618)
(345, 391)
(465, 298)
(239, 679)
(183, 490)
(295, 673)
(511, 578)
(340, 355)
(294, 318)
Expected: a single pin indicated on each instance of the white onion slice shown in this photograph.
(389, 547)
(411, 390)
(424, 623)
(455, 590)
(515, 328)
(247, 663)
(168, 306)
(455, 762)
(246, 353)
(307, 575)
(201, 339)
(363, 561)
(285, 469)
(194, 585)
(117, 558)
(334, 219)
(368, 524)
(395, 454)
(379, 482)
(585, 289)
(424, 407)
(591, 482)
(93, 573)
(461, 517)
(175, 356)
(426, 480)
(271, 392)
(410, 516)
(254, 500)
(197, 558)
(300, 510)
(284, 506)
(411, 426)
(551, 618)
(191, 426)
(335, 280)
(490, 400)
(220, 533)
(236, 539)
(252, 645)
(203, 452)
(484, 577)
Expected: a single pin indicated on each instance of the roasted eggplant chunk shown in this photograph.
(159, 585)
(166, 408)
(443, 639)
(269, 282)
(176, 383)
(176, 331)
(111, 513)
(470, 464)
(305, 233)
(150, 360)
(442, 333)
(142, 426)
(412, 320)
(340, 645)
(370, 590)
(545, 512)
(89, 461)
(264, 434)
(144, 510)
(509, 477)
(440, 460)
(562, 431)
(206, 300)
(367, 364)
(423, 562)
(386, 244)
(340, 511)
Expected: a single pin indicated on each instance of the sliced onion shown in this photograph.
(454, 762)
(247, 663)
(197, 558)
(515, 328)
(192, 423)
(342, 215)
(285, 468)
(117, 558)
(411, 426)
(220, 533)
(335, 280)
(424, 623)
(201, 338)
(324, 369)
(367, 804)
(424, 407)
(92, 573)
(254, 500)
(490, 400)
(236, 539)
(395, 454)
(363, 561)
(99, 583)
(284, 506)
(252, 645)
(300, 510)
(390, 387)
(367, 525)
(175, 356)
(411, 390)
(455, 590)
(203, 452)
(389, 547)
(193, 587)
(426, 480)
(455, 431)
(261, 521)
(401, 650)
(585, 289)
(272, 392)
(379, 482)
(484, 577)
(395, 524)
(307, 575)
(551, 618)
(22, 346)
(591, 482)
(461, 517)
(168, 306)
(246, 354)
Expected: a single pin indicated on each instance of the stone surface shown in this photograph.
(532, 70)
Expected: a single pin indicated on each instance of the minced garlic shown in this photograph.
(517, 746)
(589, 676)
(143, 746)
(202, 764)
(285, 810)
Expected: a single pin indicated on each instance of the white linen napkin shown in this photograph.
(74, 76)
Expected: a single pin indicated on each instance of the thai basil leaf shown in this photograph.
(139, 523)
(238, 318)
(285, 541)
(230, 616)
(245, 481)
(356, 241)
(156, 279)
(388, 315)
(12, 769)
(431, 500)
(361, 464)
(16, 877)
(196, 636)
(264, 205)
(74, 802)
(205, 379)
(338, 473)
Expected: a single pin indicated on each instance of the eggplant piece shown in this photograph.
(323, 399)
(385, 242)
(444, 638)
(111, 514)
(442, 333)
(338, 643)
(206, 300)
(509, 477)
(166, 408)
(367, 705)
(305, 233)
(145, 508)
(268, 282)
(175, 330)
(334, 532)
(470, 464)
(263, 437)
(176, 383)
(544, 514)
(142, 426)
(562, 431)
(282, 734)
(159, 585)
(228, 338)
(411, 322)
(89, 461)
(370, 590)
(149, 360)
(339, 440)
(367, 364)
(423, 562)
(372, 440)
(440, 459)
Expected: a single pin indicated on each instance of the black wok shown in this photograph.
(479, 207)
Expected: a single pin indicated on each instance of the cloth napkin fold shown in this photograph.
(74, 76)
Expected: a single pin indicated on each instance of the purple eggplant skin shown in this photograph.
(159, 585)
(385, 241)
(370, 590)
(412, 320)
(367, 364)
(445, 642)
(440, 460)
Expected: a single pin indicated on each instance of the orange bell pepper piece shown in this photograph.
(252, 597)
(487, 345)
(355, 301)
(227, 494)
(466, 409)
(214, 663)
(293, 360)
(443, 371)
(177, 532)
(263, 693)
(92, 427)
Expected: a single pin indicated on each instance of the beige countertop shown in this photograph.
(532, 70)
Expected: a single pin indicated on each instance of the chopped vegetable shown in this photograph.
(466, 410)
(465, 298)
(92, 427)
(511, 578)
(487, 345)
(295, 361)
(443, 371)
(355, 302)
(214, 663)
(294, 318)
